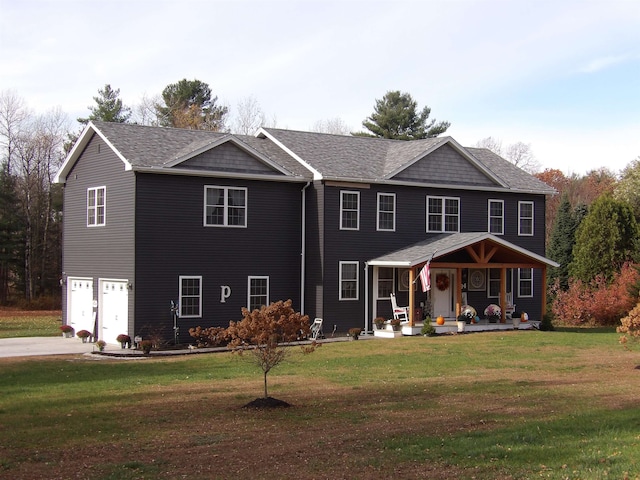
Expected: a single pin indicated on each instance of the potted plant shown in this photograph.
(379, 322)
(354, 333)
(67, 331)
(492, 313)
(101, 344)
(145, 346)
(395, 324)
(125, 340)
(469, 313)
(84, 335)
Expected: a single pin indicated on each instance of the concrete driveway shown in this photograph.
(31, 346)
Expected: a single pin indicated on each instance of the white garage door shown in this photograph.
(114, 308)
(80, 304)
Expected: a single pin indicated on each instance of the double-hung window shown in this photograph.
(258, 289)
(96, 206)
(385, 282)
(493, 285)
(386, 212)
(525, 218)
(225, 206)
(443, 214)
(496, 217)
(348, 281)
(525, 282)
(190, 296)
(349, 210)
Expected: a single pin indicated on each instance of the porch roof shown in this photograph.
(443, 244)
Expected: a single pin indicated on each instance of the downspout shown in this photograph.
(303, 252)
(366, 297)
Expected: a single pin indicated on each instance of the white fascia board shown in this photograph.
(316, 174)
(78, 148)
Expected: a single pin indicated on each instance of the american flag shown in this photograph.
(425, 277)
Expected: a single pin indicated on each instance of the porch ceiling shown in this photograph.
(463, 249)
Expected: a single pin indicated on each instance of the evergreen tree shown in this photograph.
(109, 107)
(188, 104)
(561, 243)
(608, 237)
(396, 116)
(11, 233)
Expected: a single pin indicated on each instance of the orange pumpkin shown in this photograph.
(440, 320)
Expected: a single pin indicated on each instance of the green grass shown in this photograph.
(30, 326)
(558, 405)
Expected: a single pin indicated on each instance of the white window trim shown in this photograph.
(95, 207)
(377, 281)
(357, 280)
(520, 218)
(257, 277)
(342, 192)
(443, 214)
(521, 281)
(489, 217)
(190, 277)
(378, 212)
(226, 206)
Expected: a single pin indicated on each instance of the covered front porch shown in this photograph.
(476, 269)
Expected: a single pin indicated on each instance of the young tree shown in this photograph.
(266, 334)
(188, 104)
(396, 116)
(608, 237)
(108, 108)
(249, 117)
(519, 153)
(333, 126)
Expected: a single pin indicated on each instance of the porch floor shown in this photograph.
(451, 326)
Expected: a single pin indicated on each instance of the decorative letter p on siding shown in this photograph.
(225, 292)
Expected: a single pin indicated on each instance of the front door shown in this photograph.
(442, 292)
(114, 309)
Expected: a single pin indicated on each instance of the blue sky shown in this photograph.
(560, 75)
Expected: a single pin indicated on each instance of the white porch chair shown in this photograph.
(399, 313)
(316, 329)
(510, 307)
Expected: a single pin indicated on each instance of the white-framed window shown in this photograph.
(225, 206)
(386, 212)
(258, 292)
(496, 217)
(190, 296)
(349, 277)
(443, 214)
(525, 282)
(349, 210)
(493, 283)
(385, 282)
(96, 206)
(525, 218)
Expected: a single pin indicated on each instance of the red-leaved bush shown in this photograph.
(596, 303)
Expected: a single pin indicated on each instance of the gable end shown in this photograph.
(228, 157)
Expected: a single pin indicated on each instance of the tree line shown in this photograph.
(35, 145)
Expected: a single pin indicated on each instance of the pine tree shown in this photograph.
(561, 243)
(109, 107)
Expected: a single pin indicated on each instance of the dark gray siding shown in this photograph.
(367, 243)
(228, 158)
(172, 241)
(99, 252)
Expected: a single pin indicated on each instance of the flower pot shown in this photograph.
(516, 322)
(461, 326)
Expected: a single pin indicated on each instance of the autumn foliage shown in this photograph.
(598, 302)
(630, 326)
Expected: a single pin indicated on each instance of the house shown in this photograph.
(167, 229)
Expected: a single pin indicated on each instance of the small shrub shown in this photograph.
(630, 327)
(428, 329)
(210, 337)
(546, 324)
(355, 332)
(145, 346)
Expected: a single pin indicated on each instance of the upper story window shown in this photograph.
(96, 206)
(258, 292)
(348, 280)
(525, 218)
(443, 214)
(225, 206)
(387, 211)
(190, 296)
(496, 217)
(349, 210)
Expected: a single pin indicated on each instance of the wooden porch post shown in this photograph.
(412, 297)
(503, 294)
(544, 291)
(458, 291)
